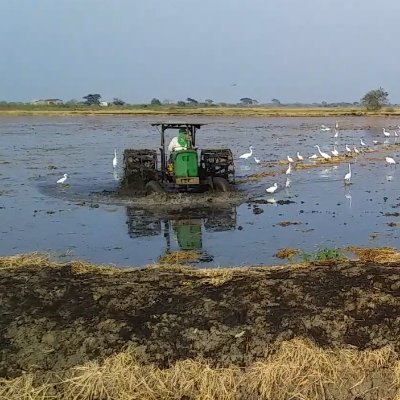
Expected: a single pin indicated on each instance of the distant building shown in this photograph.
(103, 104)
(47, 102)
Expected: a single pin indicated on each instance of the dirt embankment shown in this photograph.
(55, 317)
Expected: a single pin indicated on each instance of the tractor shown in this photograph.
(185, 170)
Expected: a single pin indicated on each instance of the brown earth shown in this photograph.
(57, 316)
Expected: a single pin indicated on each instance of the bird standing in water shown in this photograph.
(272, 189)
(347, 177)
(247, 155)
(115, 161)
(63, 179)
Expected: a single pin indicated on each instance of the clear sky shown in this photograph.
(292, 50)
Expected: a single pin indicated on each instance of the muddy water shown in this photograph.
(78, 221)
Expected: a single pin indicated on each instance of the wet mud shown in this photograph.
(56, 317)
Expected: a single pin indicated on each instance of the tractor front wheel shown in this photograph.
(221, 184)
(154, 187)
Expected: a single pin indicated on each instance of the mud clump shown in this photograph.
(287, 253)
(288, 223)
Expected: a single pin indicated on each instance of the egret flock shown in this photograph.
(354, 151)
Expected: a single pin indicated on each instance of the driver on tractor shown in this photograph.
(180, 142)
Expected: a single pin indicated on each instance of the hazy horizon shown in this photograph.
(293, 51)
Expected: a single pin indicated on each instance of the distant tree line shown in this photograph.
(373, 100)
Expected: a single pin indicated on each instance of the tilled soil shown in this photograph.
(57, 317)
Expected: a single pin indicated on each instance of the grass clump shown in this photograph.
(324, 254)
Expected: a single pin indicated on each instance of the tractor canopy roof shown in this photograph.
(177, 125)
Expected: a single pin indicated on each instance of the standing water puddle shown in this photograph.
(316, 210)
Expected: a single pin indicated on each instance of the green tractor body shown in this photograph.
(189, 169)
(185, 167)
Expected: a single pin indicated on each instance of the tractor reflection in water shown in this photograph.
(183, 235)
(186, 169)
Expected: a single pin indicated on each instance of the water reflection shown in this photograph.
(349, 197)
(183, 231)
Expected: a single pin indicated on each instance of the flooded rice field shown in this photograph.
(312, 207)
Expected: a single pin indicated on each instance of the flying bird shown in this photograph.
(63, 179)
(247, 155)
(115, 161)
(272, 189)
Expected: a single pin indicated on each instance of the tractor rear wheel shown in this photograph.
(154, 187)
(221, 184)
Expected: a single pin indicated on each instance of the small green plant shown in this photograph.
(323, 254)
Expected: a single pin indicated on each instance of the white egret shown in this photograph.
(347, 177)
(386, 133)
(356, 150)
(335, 152)
(300, 157)
(289, 170)
(115, 161)
(247, 155)
(362, 142)
(324, 155)
(390, 161)
(337, 125)
(287, 184)
(375, 142)
(256, 160)
(290, 159)
(348, 149)
(63, 179)
(313, 157)
(272, 189)
(396, 134)
(324, 128)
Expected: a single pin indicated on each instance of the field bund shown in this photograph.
(315, 330)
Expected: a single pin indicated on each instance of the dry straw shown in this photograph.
(296, 369)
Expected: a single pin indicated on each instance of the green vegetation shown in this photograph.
(324, 254)
(375, 99)
(184, 109)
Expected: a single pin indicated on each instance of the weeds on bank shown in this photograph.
(324, 254)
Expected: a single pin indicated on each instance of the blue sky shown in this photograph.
(305, 51)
